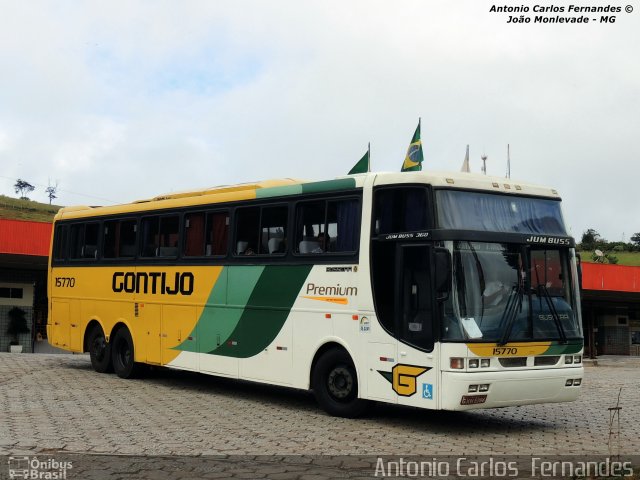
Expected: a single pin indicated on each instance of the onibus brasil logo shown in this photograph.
(32, 468)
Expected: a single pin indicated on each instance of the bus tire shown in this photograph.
(122, 354)
(335, 385)
(99, 351)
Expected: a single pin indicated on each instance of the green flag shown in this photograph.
(413, 160)
(362, 166)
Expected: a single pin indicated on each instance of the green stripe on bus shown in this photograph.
(559, 349)
(224, 307)
(312, 187)
(278, 287)
(278, 191)
(329, 185)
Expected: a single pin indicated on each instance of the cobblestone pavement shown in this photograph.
(58, 404)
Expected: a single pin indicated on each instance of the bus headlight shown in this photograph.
(568, 359)
(577, 358)
(485, 362)
(474, 363)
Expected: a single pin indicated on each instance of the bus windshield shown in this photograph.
(507, 292)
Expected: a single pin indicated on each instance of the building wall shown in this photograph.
(28, 281)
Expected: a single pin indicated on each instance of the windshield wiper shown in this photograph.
(511, 312)
(554, 313)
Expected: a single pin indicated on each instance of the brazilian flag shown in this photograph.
(413, 160)
(362, 166)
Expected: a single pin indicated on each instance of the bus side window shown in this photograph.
(194, 235)
(217, 234)
(168, 236)
(150, 227)
(84, 241)
(327, 226)
(60, 242)
(401, 209)
(273, 230)
(119, 239)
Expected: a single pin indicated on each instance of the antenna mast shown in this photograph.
(508, 162)
(484, 163)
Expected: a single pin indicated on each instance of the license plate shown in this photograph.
(473, 399)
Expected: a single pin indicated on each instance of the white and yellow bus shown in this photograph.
(441, 291)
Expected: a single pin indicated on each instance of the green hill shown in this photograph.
(16, 209)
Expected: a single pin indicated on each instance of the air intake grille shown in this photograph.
(513, 362)
(546, 361)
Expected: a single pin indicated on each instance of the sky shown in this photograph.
(121, 100)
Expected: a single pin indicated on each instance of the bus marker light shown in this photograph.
(327, 315)
(450, 181)
(484, 388)
(232, 343)
(457, 363)
(568, 383)
(281, 348)
(568, 359)
(577, 358)
(386, 359)
(474, 363)
(485, 362)
(354, 317)
(473, 388)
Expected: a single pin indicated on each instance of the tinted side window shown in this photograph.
(327, 226)
(60, 242)
(160, 236)
(401, 209)
(84, 241)
(119, 239)
(261, 230)
(206, 234)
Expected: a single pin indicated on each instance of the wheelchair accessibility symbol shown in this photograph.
(427, 391)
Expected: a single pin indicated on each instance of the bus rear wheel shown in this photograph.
(335, 385)
(99, 351)
(122, 354)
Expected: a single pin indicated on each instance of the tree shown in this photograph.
(51, 191)
(590, 239)
(635, 238)
(23, 188)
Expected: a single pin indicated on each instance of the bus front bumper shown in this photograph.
(509, 388)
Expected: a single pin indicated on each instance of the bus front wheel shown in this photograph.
(335, 385)
(122, 354)
(99, 351)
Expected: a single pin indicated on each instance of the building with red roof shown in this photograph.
(24, 252)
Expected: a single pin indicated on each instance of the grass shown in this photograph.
(631, 259)
(17, 209)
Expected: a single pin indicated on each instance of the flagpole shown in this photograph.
(369, 155)
(508, 162)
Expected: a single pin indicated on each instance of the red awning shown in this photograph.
(617, 278)
(25, 238)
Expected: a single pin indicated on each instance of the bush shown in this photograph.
(17, 324)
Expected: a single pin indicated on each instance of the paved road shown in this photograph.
(58, 404)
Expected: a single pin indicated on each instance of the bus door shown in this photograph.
(415, 375)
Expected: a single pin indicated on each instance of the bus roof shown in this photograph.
(288, 186)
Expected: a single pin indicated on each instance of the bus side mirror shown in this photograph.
(579, 265)
(443, 273)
